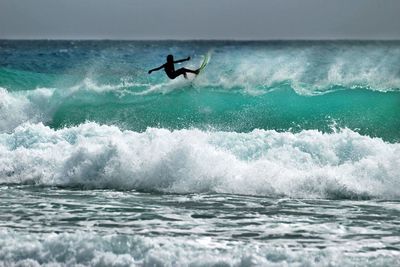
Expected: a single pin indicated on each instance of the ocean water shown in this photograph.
(278, 154)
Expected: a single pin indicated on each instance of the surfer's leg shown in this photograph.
(191, 71)
(194, 71)
(183, 71)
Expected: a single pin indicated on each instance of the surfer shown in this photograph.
(169, 68)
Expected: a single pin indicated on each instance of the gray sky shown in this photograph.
(200, 19)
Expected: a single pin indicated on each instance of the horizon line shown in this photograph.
(204, 40)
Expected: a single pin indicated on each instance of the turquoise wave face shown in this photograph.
(370, 113)
(284, 86)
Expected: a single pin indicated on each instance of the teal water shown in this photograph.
(279, 153)
(369, 113)
(275, 86)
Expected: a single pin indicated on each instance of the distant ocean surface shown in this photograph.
(278, 154)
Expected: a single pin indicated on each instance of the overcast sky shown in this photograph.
(200, 19)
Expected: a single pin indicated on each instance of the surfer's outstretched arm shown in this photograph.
(182, 60)
(159, 68)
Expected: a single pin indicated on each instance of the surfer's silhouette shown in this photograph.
(169, 68)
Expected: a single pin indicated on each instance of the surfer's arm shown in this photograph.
(159, 68)
(182, 60)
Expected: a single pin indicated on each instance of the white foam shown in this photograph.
(92, 249)
(23, 106)
(308, 164)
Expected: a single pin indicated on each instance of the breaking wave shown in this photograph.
(308, 164)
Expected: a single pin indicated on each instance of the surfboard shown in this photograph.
(204, 63)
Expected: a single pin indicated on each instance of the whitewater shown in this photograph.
(279, 153)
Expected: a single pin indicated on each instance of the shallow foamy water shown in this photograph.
(105, 227)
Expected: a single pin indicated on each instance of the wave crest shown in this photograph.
(309, 164)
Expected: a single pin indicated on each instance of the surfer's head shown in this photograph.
(170, 58)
